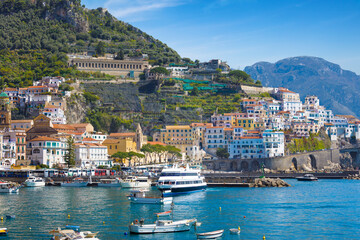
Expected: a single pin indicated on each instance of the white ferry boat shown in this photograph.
(34, 182)
(136, 182)
(181, 180)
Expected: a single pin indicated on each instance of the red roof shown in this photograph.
(127, 134)
(44, 138)
(154, 143)
(89, 139)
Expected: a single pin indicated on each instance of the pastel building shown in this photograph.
(91, 155)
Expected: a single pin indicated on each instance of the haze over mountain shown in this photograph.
(337, 89)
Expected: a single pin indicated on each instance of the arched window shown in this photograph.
(36, 150)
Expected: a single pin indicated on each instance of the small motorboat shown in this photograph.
(210, 235)
(6, 187)
(161, 226)
(109, 183)
(34, 182)
(3, 231)
(140, 196)
(136, 182)
(10, 216)
(69, 234)
(235, 230)
(307, 177)
(76, 182)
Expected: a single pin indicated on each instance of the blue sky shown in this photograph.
(243, 32)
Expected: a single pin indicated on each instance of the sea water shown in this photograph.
(326, 209)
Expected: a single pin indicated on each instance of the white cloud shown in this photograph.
(130, 8)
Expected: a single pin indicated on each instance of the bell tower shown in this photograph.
(5, 111)
(139, 137)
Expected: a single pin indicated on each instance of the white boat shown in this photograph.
(109, 182)
(76, 182)
(210, 235)
(140, 196)
(6, 187)
(135, 182)
(161, 226)
(34, 182)
(181, 180)
(3, 231)
(307, 177)
(235, 230)
(69, 234)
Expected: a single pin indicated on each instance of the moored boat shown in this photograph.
(161, 226)
(76, 182)
(140, 196)
(210, 235)
(179, 180)
(34, 182)
(307, 177)
(6, 187)
(235, 230)
(69, 234)
(109, 182)
(3, 231)
(136, 182)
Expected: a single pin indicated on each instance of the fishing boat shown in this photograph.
(161, 226)
(69, 234)
(140, 196)
(34, 182)
(76, 182)
(180, 180)
(210, 235)
(6, 187)
(135, 182)
(307, 177)
(109, 182)
(3, 231)
(235, 230)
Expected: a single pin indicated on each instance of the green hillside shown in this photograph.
(55, 27)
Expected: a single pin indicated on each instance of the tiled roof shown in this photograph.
(89, 139)
(128, 134)
(44, 138)
(154, 143)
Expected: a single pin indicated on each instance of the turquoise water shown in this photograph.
(327, 209)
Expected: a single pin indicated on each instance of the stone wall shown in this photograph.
(255, 90)
(310, 161)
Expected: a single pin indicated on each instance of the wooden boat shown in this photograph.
(307, 177)
(140, 196)
(76, 182)
(161, 226)
(69, 234)
(6, 187)
(210, 235)
(3, 231)
(235, 230)
(109, 183)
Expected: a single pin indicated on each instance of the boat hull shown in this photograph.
(9, 190)
(166, 200)
(109, 184)
(179, 226)
(306, 179)
(135, 184)
(35, 184)
(181, 190)
(210, 235)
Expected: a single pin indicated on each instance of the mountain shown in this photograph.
(54, 28)
(336, 88)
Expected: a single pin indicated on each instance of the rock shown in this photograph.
(269, 182)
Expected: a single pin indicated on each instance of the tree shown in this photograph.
(195, 92)
(147, 149)
(120, 156)
(222, 153)
(173, 151)
(120, 55)
(69, 156)
(100, 49)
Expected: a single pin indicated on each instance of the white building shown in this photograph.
(7, 151)
(291, 106)
(247, 147)
(91, 155)
(177, 71)
(46, 150)
(274, 143)
(214, 138)
(56, 114)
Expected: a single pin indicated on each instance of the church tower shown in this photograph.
(139, 137)
(5, 111)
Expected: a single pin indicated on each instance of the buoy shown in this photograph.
(264, 237)
(30, 228)
(125, 233)
(103, 222)
(220, 209)
(244, 217)
(2, 219)
(68, 215)
(239, 228)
